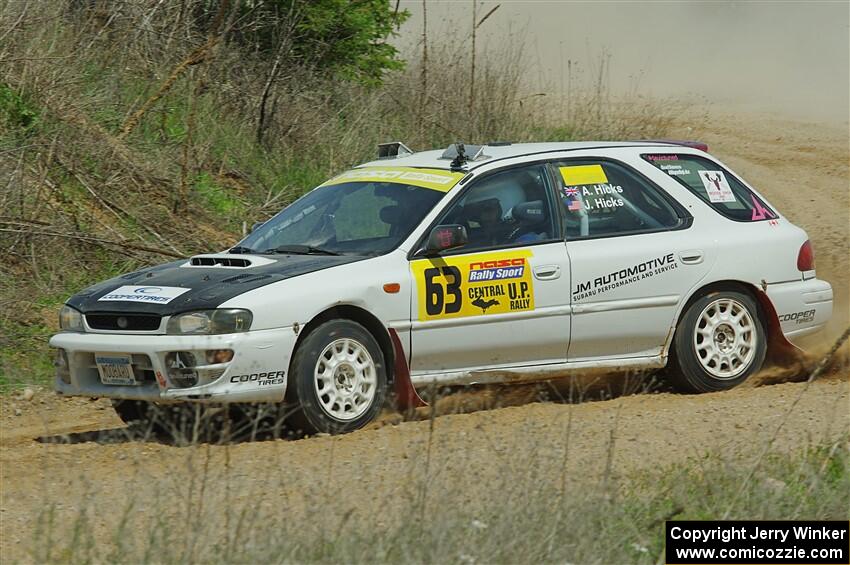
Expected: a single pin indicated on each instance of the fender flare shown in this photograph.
(779, 349)
(406, 397)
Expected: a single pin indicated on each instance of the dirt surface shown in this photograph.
(74, 456)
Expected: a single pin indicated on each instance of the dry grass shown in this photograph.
(531, 512)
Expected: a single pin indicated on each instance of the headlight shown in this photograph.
(70, 319)
(208, 322)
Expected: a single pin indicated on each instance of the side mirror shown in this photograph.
(449, 236)
(255, 226)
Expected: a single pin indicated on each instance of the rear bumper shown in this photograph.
(257, 372)
(803, 307)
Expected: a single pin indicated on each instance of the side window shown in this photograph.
(602, 198)
(503, 209)
(716, 187)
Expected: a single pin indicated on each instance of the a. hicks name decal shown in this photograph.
(474, 285)
(623, 277)
(587, 187)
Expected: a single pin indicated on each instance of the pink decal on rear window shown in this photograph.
(759, 211)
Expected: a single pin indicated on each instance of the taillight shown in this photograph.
(806, 257)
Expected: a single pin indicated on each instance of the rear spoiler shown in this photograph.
(684, 143)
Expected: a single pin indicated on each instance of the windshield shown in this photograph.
(363, 217)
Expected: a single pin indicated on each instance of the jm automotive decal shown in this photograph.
(474, 285)
(625, 276)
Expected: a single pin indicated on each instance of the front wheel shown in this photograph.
(338, 379)
(132, 412)
(719, 343)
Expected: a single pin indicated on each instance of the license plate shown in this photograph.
(115, 369)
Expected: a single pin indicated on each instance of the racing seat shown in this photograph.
(531, 217)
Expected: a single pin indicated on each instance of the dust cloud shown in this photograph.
(782, 58)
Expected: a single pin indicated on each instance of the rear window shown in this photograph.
(714, 185)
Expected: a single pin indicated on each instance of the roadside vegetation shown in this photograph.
(134, 133)
(527, 517)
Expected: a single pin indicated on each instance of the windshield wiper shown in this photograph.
(240, 249)
(301, 250)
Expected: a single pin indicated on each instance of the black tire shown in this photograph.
(177, 423)
(310, 413)
(132, 412)
(693, 366)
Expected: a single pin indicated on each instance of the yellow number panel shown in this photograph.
(474, 285)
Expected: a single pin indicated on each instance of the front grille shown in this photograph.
(122, 322)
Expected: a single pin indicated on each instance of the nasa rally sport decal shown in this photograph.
(474, 285)
(150, 294)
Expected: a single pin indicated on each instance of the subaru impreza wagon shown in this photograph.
(477, 264)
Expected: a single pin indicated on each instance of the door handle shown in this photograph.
(547, 272)
(691, 256)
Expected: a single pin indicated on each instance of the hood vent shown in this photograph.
(228, 261)
(219, 262)
(245, 278)
(131, 276)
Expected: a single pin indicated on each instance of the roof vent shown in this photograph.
(393, 150)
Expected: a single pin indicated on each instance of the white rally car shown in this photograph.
(478, 264)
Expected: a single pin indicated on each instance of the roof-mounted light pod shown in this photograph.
(393, 150)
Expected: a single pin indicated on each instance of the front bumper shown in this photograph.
(803, 307)
(256, 373)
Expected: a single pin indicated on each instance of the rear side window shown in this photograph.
(603, 199)
(714, 185)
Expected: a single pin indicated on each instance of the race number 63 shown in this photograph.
(442, 296)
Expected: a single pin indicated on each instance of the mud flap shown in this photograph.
(406, 397)
(779, 349)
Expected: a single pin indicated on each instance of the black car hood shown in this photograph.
(210, 286)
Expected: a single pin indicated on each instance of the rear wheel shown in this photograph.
(338, 379)
(719, 343)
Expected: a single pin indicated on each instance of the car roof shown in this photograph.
(432, 158)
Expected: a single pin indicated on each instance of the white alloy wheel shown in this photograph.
(345, 379)
(725, 338)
